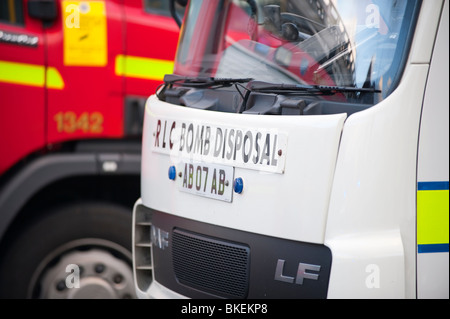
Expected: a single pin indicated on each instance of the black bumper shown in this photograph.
(201, 260)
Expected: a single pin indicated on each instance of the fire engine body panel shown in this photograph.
(70, 55)
(74, 76)
(254, 190)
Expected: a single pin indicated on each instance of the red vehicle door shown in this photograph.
(23, 78)
(83, 43)
(111, 54)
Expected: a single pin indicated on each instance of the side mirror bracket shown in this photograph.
(173, 11)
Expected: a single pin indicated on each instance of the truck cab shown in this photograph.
(298, 150)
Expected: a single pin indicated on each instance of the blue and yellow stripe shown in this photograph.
(432, 217)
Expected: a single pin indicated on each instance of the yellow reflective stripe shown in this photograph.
(432, 217)
(120, 65)
(22, 73)
(30, 75)
(143, 68)
(54, 79)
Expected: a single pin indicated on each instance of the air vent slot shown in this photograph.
(211, 265)
(142, 248)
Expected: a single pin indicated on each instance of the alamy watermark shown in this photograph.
(373, 16)
(373, 279)
(74, 11)
(73, 19)
(73, 279)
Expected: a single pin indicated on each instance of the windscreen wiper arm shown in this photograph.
(202, 82)
(301, 89)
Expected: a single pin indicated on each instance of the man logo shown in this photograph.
(159, 237)
(301, 273)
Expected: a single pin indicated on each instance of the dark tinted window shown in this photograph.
(11, 11)
(162, 7)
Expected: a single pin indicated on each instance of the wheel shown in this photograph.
(76, 251)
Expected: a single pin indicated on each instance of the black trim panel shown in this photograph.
(265, 254)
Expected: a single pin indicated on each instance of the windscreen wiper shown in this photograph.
(301, 89)
(176, 85)
(202, 82)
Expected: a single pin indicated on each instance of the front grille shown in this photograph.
(210, 264)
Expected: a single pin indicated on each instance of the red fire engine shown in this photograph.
(74, 76)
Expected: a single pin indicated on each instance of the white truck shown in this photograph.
(299, 150)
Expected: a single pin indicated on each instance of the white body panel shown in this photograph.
(372, 217)
(372, 208)
(291, 205)
(434, 135)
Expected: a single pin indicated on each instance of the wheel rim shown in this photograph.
(84, 269)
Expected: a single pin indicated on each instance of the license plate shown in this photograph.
(208, 180)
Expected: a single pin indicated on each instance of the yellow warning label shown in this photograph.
(85, 34)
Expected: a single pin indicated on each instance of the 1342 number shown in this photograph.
(70, 122)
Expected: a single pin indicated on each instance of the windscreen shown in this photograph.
(346, 43)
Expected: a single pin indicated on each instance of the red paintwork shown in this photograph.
(27, 114)
(22, 109)
(148, 35)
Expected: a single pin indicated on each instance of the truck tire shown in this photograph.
(75, 251)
